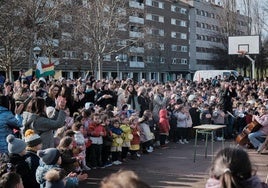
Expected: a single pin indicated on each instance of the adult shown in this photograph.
(226, 93)
(159, 102)
(105, 96)
(256, 138)
(7, 123)
(53, 93)
(143, 100)
(232, 168)
(132, 100)
(35, 118)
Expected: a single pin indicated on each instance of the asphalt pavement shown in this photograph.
(175, 167)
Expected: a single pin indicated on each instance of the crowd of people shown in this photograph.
(53, 131)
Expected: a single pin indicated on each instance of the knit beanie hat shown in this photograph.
(49, 156)
(31, 138)
(15, 145)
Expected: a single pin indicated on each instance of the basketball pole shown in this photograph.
(252, 65)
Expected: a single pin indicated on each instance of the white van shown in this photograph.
(207, 74)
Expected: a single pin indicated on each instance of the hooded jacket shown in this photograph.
(44, 126)
(163, 122)
(7, 123)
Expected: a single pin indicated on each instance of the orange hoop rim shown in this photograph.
(242, 52)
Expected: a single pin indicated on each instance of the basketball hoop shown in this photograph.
(242, 53)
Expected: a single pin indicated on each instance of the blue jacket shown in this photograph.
(7, 123)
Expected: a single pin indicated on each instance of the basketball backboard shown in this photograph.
(249, 44)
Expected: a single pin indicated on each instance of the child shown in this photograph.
(127, 137)
(80, 143)
(33, 142)
(68, 119)
(96, 132)
(11, 180)
(205, 115)
(164, 127)
(17, 156)
(50, 159)
(55, 178)
(146, 136)
(218, 119)
(135, 142)
(232, 168)
(182, 116)
(107, 141)
(70, 163)
(117, 142)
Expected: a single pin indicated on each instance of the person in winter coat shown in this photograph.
(182, 115)
(164, 127)
(135, 142)
(51, 159)
(55, 178)
(7, 123)
(232, 168)
(17, 156)
(116, 147)
(146, 136)
(95, 132)
(105, 96)
(35, 118)
(33, 142)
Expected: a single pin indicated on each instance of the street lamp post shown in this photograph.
(36, 52)
(118, 59)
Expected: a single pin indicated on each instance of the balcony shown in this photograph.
(135, 19)
(136, 49)
(134, 4)
(136, 64)
(135, 34)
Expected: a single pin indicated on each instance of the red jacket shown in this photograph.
(163, 122)
(95, 129)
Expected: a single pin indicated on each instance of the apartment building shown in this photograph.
(168, 39)
(208, 32)
(154, 42)
(160, 40)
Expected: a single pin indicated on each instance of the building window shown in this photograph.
(175, 60)
(121, 43)
(107, 57)
(156, 32)
(162, 60)
(66, 36)
(122, 27)
(149, 59)
(184, 49)
(86, 56)
(183, 11)
(156, 4)
(155, 18)
(173, 47)
(183, 36)
(183, 61)
(67, 18)
(162, 46)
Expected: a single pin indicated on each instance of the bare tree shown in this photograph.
(12, 36)
(25, 24)
(103, 21)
